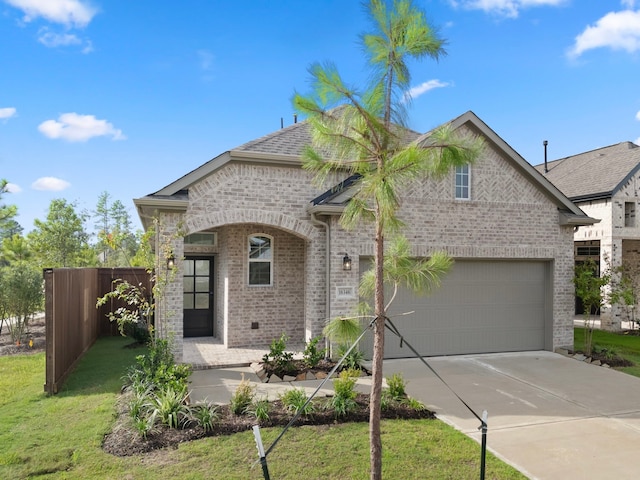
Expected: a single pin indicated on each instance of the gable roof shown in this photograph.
(595, 174)
(285, 146)
(332, 201)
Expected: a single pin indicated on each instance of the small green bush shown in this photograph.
(294, 401)
(278, 359)
(354, 360)
(205, 415)
(243, 397)
(415, 404)
(144, 426)
(260, 410)
(169, 407)
(396, 386)
(157, 369)
(343, 402)
(312, 354)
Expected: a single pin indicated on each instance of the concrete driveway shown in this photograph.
(550, 416)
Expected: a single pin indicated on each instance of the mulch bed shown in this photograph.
(35, 332)
(123, 441)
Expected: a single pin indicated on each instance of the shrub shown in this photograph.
(278, 359)
(243, 397)
(312, 355)
(206, 415)
(386, 400)
(353, 361)
(294, 401)
(260, 410)
(343, 402)
(396, 386)
(415, 404)
(144, 426)
(157, 369)
(170, 408)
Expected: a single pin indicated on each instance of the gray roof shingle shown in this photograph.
(292, 139)
(594, 174)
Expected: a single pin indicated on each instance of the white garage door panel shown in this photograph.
(481, 307)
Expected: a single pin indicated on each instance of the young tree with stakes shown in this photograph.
(363, 130)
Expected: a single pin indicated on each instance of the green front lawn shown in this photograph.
(625, 345)
(60, 436)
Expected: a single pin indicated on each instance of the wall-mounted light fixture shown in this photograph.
(171, 262)
(346, 262)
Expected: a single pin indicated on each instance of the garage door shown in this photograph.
(481, 307)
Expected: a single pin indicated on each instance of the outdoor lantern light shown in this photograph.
(346, 262)
(171, 262)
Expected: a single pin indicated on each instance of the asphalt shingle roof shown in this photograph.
(292, 139)
(286, 141)
(596, 173)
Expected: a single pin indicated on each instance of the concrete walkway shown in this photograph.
(550, 416)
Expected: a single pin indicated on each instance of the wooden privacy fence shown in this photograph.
(72, 321)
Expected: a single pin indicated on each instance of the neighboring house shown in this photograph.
(605, 184)
(264, 253)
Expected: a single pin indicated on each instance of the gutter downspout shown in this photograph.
(327, 229)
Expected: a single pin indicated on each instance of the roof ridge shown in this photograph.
(269, 136)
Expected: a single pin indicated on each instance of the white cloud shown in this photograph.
(638, 116)
(415, 92)
(616, 30)
(7, 112)
(507, 8)
(50, 184)
(637, 142)
(79, 128)
(71, 13)
(12, 188)
(629, 3)
(52, 40)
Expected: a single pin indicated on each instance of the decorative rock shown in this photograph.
(596, 362)
(605, 365)
(301, 376)
(309, 376)
(587, 360)
(288, 378)
(321, 375)
(579, 357)
(275, 379)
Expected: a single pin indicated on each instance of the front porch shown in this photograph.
(208, 352)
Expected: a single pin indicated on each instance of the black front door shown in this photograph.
(198, 297)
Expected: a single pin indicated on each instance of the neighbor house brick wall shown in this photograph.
(612, 233)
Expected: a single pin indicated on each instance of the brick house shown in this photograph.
(261, 251)
(605, 184)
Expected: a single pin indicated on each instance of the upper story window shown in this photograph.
(260, 260)
(629, 214)
(463, 189)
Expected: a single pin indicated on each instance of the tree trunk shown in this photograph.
(375, 441)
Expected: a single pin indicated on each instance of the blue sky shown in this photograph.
(126, 96)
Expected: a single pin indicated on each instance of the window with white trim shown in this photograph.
(463, 184)
(260, 260)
